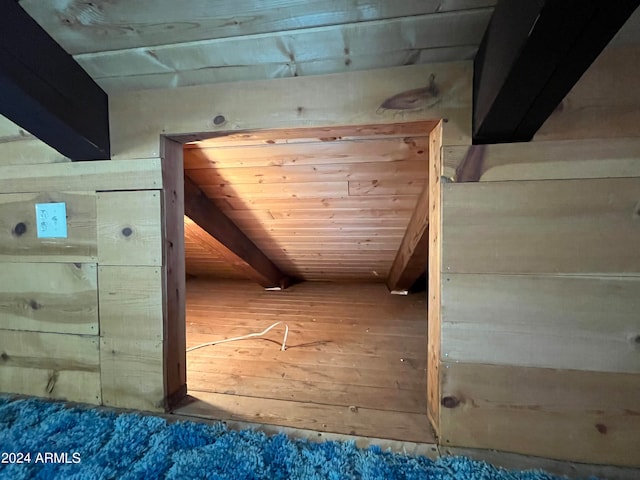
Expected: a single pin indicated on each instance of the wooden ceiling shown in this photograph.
(322, 204)
(128, 45)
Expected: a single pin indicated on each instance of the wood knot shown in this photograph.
(450, 402)
(19, 229)
(127, 231)
(35, 305)
(602, 428)
(4, 356)
(219, 120)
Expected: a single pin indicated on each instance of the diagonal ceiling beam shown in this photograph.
(411, 258)
(228, 240)
(44, 90)
(532, 54)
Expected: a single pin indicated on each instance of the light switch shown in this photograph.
(51, 219)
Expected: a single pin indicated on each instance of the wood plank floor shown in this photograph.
(355, 361)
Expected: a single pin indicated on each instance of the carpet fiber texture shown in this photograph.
(78, 443)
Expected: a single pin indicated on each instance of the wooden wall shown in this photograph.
(211, 111)
(533, 325)
(540, 280)
(75, 311)
(129, 230)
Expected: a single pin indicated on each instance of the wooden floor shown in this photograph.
(355, 361)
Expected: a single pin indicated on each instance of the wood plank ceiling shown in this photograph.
(127, 45)
(322, 205)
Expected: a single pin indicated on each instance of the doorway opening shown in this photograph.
(329, 208)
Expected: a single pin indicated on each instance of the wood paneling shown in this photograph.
(322, 203)
(18, 232)
(555, 226)
(554, 160)
(539, 299)
(284, 150)
(50, 365)
(129, 228)
(572, 322)
(323, 134)
(362, 108)
(323, 101)
(351, 349)
(604, 103)
(173, 284)
(49, 297)
(581, 416)
(399, 169)
(433, 277)
(278, 190)
(10, 132)
(309, 51)
(132, 373)
(386, 187)
(28, 152)
(82, 28)
(130, 302)
(384, 202)
(143, 174)
(365, 422)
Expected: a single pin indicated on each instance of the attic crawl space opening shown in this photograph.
(303, 233)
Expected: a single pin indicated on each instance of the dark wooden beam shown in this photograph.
(532, 54)
(228, 240)
(44, 90)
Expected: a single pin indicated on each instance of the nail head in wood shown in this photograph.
(20, 229)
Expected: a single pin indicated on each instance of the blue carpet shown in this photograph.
(96, 444)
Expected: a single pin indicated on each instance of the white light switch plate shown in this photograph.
(51, 220)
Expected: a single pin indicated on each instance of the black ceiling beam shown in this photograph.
(532, 54)
(45, 91)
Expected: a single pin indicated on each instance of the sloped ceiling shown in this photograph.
(322, 204)
(323, 207)
(127, 45)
